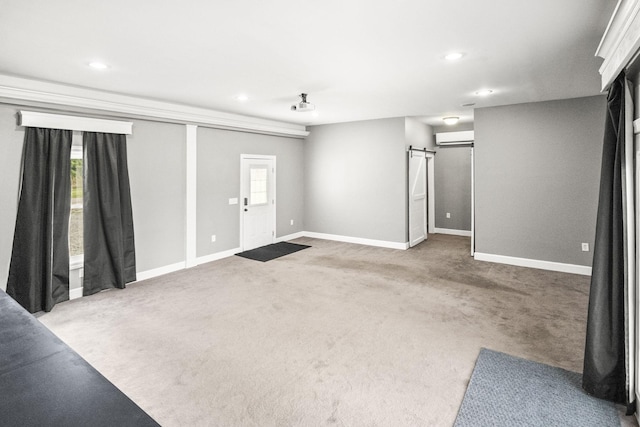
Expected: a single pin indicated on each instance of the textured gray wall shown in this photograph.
(156, 154)
(11, 138)
(356, 180)
(453, 128)
(419, 134)
(453, 187)
(218, 168)
(537, 172)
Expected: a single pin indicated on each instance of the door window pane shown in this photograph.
(258, 185)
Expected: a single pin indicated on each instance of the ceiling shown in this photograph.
(357, 59)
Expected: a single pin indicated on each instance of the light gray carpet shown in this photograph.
(507, 391)
(337, 334)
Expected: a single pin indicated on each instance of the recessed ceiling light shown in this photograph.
(453, 56)
(242, 98)
(98, 65)
(484, 92)
(451, 120)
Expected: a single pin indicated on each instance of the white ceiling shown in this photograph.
(357, 59)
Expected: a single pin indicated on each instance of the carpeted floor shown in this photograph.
(337, 334)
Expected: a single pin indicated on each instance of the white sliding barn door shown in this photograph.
(419, 198)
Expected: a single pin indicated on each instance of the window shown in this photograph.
(258, 185)
(76, 248)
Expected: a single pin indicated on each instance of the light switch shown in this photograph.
(233, 201)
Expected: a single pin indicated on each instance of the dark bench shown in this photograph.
(43, 382)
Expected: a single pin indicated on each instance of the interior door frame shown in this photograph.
(473, 204)
(243, 158)
(431, 193)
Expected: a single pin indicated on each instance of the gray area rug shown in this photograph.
(510, 391)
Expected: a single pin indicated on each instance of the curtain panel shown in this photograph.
(604, 373)
(109, 246)
(39, 269)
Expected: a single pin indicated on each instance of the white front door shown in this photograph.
(258, 202)
(417, 197)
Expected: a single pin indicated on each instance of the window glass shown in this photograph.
(75, 219)
(258, 185)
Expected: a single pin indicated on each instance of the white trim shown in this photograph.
(620, 41)
(217, 256)
(534, 263)
(357, 240)
(465, 233)
(473, 204)
(20, 90)
(60, 121)
(291, 237)
(75, 293)
(191, 195)
(636, 126)
(149, 274)
(76, 262)
(431, 193)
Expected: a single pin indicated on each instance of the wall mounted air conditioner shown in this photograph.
(454, 138)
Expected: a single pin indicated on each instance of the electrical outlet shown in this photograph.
(448, 214)
(585, 247)
(213, 238)
(291, 222)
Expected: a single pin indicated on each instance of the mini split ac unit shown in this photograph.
(454, 138)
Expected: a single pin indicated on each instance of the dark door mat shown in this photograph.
(269, 252)
(507, 391)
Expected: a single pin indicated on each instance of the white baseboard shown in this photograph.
(217, 256)
(75, 293)
(144, 275)
(357, 240)
(534, 263)
(465, 233)
(291, 236)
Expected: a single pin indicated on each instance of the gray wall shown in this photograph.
(419, 134)
(156, 153)
(356, 180)
(453, 187)
(218, 166)
(11, 138)
(458, 127)
(537, 171)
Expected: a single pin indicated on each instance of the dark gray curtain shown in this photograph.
(604, 373)
(109, 247)
(39, 269)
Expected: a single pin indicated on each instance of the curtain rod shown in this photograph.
(411, 148)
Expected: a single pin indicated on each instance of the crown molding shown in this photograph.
(621, 40)
(19, 90)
